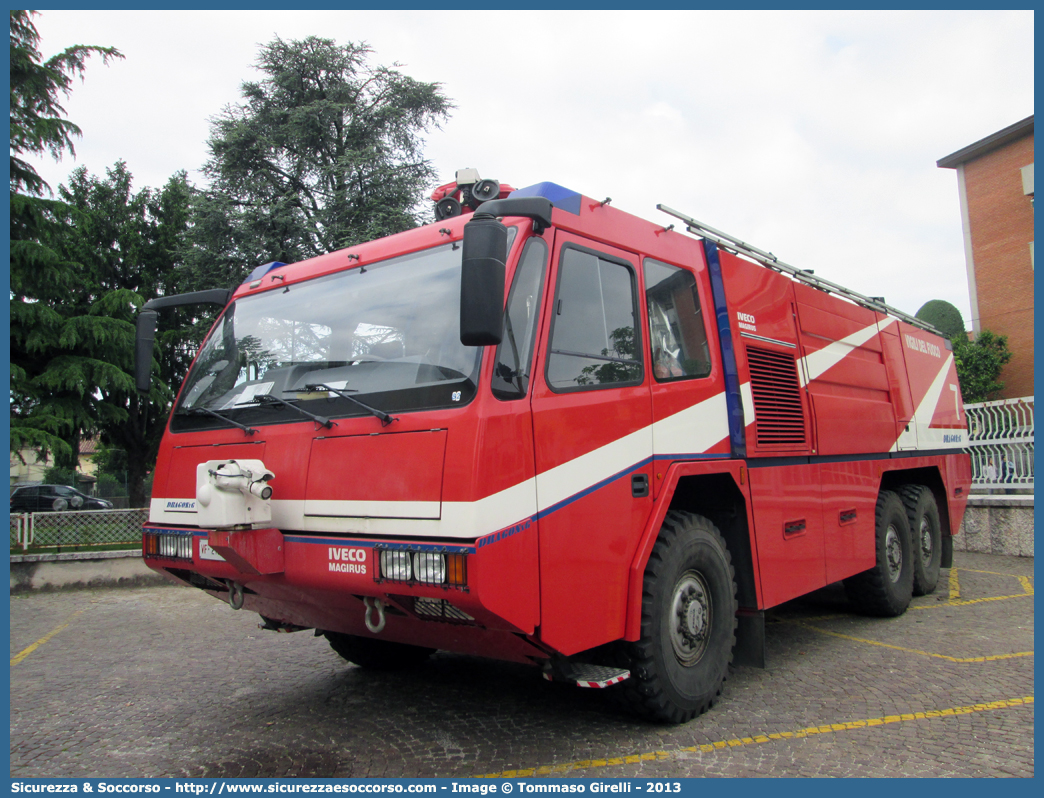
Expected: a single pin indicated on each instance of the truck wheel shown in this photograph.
(925, 536)
(886, 588)
(377, 655)
(688, 622)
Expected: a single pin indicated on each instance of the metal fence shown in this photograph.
(77, 529)
(1000, 441)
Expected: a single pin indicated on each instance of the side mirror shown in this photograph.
(482, 281)
(146, 324)
(143, 349)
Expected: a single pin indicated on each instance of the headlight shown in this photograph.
(396, 565)
(429, 567)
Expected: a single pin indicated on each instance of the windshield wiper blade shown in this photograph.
(385, 418)
(195, 411)
(268, 399)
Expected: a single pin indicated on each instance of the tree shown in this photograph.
(943, 316)
(979, 364)
(125, 244)
(38, 125)
(623, 369)
(40, 276)
(323, 152)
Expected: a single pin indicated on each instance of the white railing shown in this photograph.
(1000, 441)
(77, 529)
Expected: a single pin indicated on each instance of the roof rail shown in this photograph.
(737, 246)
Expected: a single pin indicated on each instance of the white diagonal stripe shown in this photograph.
(928, 438)
(821, 361)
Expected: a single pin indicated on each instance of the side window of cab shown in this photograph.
(677, 331)
(595, 340)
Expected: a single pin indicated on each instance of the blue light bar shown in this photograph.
(560, 196)
(263, 269)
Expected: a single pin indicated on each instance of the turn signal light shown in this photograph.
(455, 573)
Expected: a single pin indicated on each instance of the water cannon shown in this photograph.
(233, 493)
(248, 476)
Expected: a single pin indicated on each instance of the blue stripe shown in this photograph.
(733, 402)
(384, 544)
(597, 486)
(692, 456)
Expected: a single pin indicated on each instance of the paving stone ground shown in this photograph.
(167, 681)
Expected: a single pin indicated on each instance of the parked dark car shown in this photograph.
(47, 498)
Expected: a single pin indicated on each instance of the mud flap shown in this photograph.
(750, 639)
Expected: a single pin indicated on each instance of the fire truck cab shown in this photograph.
(544, 430)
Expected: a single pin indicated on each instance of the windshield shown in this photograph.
(389, 332)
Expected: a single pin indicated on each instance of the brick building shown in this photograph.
(995, 181)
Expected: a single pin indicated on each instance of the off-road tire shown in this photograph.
(925, 537)
(688, 630)
(886, 589)
(377, 655)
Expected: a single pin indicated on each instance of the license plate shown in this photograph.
(207, 553)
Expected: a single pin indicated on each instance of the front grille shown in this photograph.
(440, 610)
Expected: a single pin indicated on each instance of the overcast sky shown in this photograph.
(810, 134)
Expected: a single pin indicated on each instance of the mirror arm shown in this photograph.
(146, 327)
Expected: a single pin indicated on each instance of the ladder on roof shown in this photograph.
(734, 244)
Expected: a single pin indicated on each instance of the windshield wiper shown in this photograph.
(385, 418)
(195, 411)
(268, 399)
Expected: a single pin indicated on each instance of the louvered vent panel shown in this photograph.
(778, 418)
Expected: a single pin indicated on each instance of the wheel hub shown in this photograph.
(690, 618)
(926, 541)
(894, 553)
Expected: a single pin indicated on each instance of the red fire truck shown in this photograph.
(547, 431)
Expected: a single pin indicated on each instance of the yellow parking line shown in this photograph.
(990, 658)
(992, 573)
(1025, 581)
(954, 589)
(809, 731)
(966, 602)
(25, 652)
